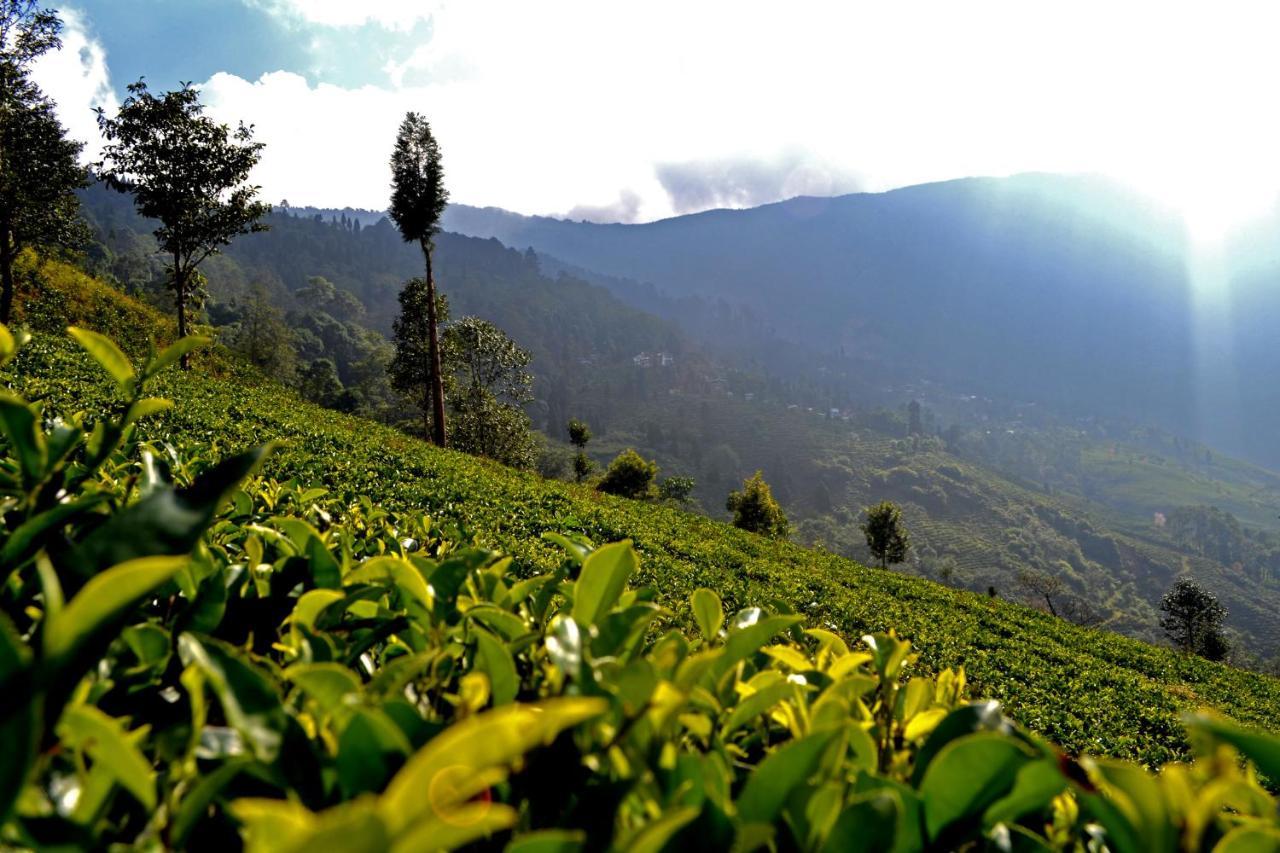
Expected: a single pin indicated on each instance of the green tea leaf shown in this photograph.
(774, 779)
(493, 659)
(103, 600)
(86, 728)
(708, 612)
(175, 351)
(108, 355)
(603, 578)
(968, 775)
(492, 739)
(249, 700)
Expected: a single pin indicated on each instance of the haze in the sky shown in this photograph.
(639, 110)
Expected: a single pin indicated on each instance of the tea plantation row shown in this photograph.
(1089, 691)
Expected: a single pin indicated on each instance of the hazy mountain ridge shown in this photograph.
(1069, 290)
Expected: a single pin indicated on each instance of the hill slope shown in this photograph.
(1064, 289)
(974, 530)
(1087, 690)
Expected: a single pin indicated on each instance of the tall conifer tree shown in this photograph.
(418, 200)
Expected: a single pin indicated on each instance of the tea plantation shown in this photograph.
(332, 651)
(1088, 691)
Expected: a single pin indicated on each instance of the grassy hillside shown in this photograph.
(1087, 690)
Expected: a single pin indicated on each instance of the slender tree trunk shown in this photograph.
(1049, 601)
(6, 275)
(438, 435)
(180, 295)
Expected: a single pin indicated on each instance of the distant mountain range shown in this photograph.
(1068, 290)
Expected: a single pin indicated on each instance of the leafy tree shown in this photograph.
(418, 199)
(190, 173)
(39, 168)
(1193, 619)
(754, 508)
(414, 369)
(319, 383)
(676, 489)
(579, 435)
(493, 383)
(629, 475)
(887, 536)
(263, 337)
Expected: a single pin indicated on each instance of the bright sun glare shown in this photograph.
(1224, 191)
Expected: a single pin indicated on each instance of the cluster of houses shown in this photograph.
(653, 359)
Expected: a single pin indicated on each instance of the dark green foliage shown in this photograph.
(189, 173)
(1193, 620)
(412, 369)
(264, 337)
(319, 383)
(755, 509)
(39, 168)
(418, 199)
(887, 537)
(579, 433)
(583, 465)
(492, 384)
(629, 475)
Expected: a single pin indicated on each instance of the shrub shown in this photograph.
(629, 475)
(754, 508)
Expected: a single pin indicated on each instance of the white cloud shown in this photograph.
(345, 13)
(577, 105)
(77, 79)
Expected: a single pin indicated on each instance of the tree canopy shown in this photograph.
(755, 509)
(887, 536)
(1193, 619)
(418, 199)
(39, 165)
(187, 171)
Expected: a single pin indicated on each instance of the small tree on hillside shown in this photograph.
(887, 536)
(579, 435)
(39, 168)
(190, 173)
(262, 335)
(754, 509)
(1043, 586)
(1193, 619)
(492, 386)
(677, 490)
(629, 475)
(413, 368)
(418, 200)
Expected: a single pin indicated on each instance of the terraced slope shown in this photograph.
(1087, 690)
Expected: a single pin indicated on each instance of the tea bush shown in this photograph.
(192, 655)
(1088, 691)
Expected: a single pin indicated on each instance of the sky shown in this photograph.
(634, 111)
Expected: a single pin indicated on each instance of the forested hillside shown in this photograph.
(993, 492)
(1072, 291)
